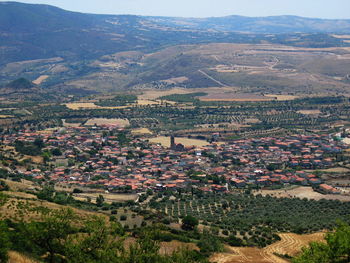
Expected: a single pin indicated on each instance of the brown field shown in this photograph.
(290, 244)
(19, 186)
(154, 94)
(16, 257)
(109, 198)
(336, 170)
(35, 159)
(310, 112)
(66, 124)
(234, 97)
(20, 195)
(10, 210)
(141, 131)
(281, 97)
(6, 116)
(143, 102)
(89, 105)
(40, 79)
(112, 122)
(165, 141)
(176, 80)
(302, 192)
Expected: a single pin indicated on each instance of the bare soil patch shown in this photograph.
(109, 198)
(108, 122)
(165, 141)
(40, 79)
(302, 192)
(89, 105)
(281, 97)
(141, 131)
(310, 112)
(16, 257)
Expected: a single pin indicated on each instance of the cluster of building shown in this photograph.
(96, 157)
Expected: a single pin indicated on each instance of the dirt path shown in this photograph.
(205, 74)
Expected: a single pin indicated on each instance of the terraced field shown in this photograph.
(290, 244)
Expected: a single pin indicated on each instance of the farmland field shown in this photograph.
(41, 79)
(234, 97)
(289, 244)
(109, 198)
(109, 122)
(141, 131)
(165, 141)
(256, 220)
(302, 192)
(89, 105)
(309, 112)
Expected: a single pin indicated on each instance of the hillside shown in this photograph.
(41, 31)
(65, 50)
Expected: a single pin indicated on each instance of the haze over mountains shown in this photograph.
(42, 31)
(69, 46)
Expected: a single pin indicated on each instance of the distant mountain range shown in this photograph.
(30, 31)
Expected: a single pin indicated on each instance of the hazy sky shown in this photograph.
(206, 8)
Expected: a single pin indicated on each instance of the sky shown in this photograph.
(207, 8)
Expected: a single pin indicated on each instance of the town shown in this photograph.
(113, 159)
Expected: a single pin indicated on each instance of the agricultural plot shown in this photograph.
(107, 122)
(290, 244)
(234, 97)
(256, 219)
(109, 198)
(302, 192)
(165, 141)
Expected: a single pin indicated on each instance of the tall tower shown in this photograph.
(172, 142)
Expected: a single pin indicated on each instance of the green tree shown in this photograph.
(335, 250)
(4, 242)
(100, 200)
(56, 152)
(47, 237)
(209, 243)
(96, 244)
(189, 223)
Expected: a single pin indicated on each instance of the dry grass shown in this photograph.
(234, 97)
(310, 112)
(168, 248)
(302, 192)
(20, 195)
(40, 79)
(336, 170)
(89, 105)
(66, 124)
(111, 122)
(141, 131)
(280, 97)
(165, 141)
(16, 257)
(19, 186)
(154, 94)
(14, 207)
(109, 198)
(143, 102)
(6, 116)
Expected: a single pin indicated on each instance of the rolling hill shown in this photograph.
(30, 31)
(114, 52)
